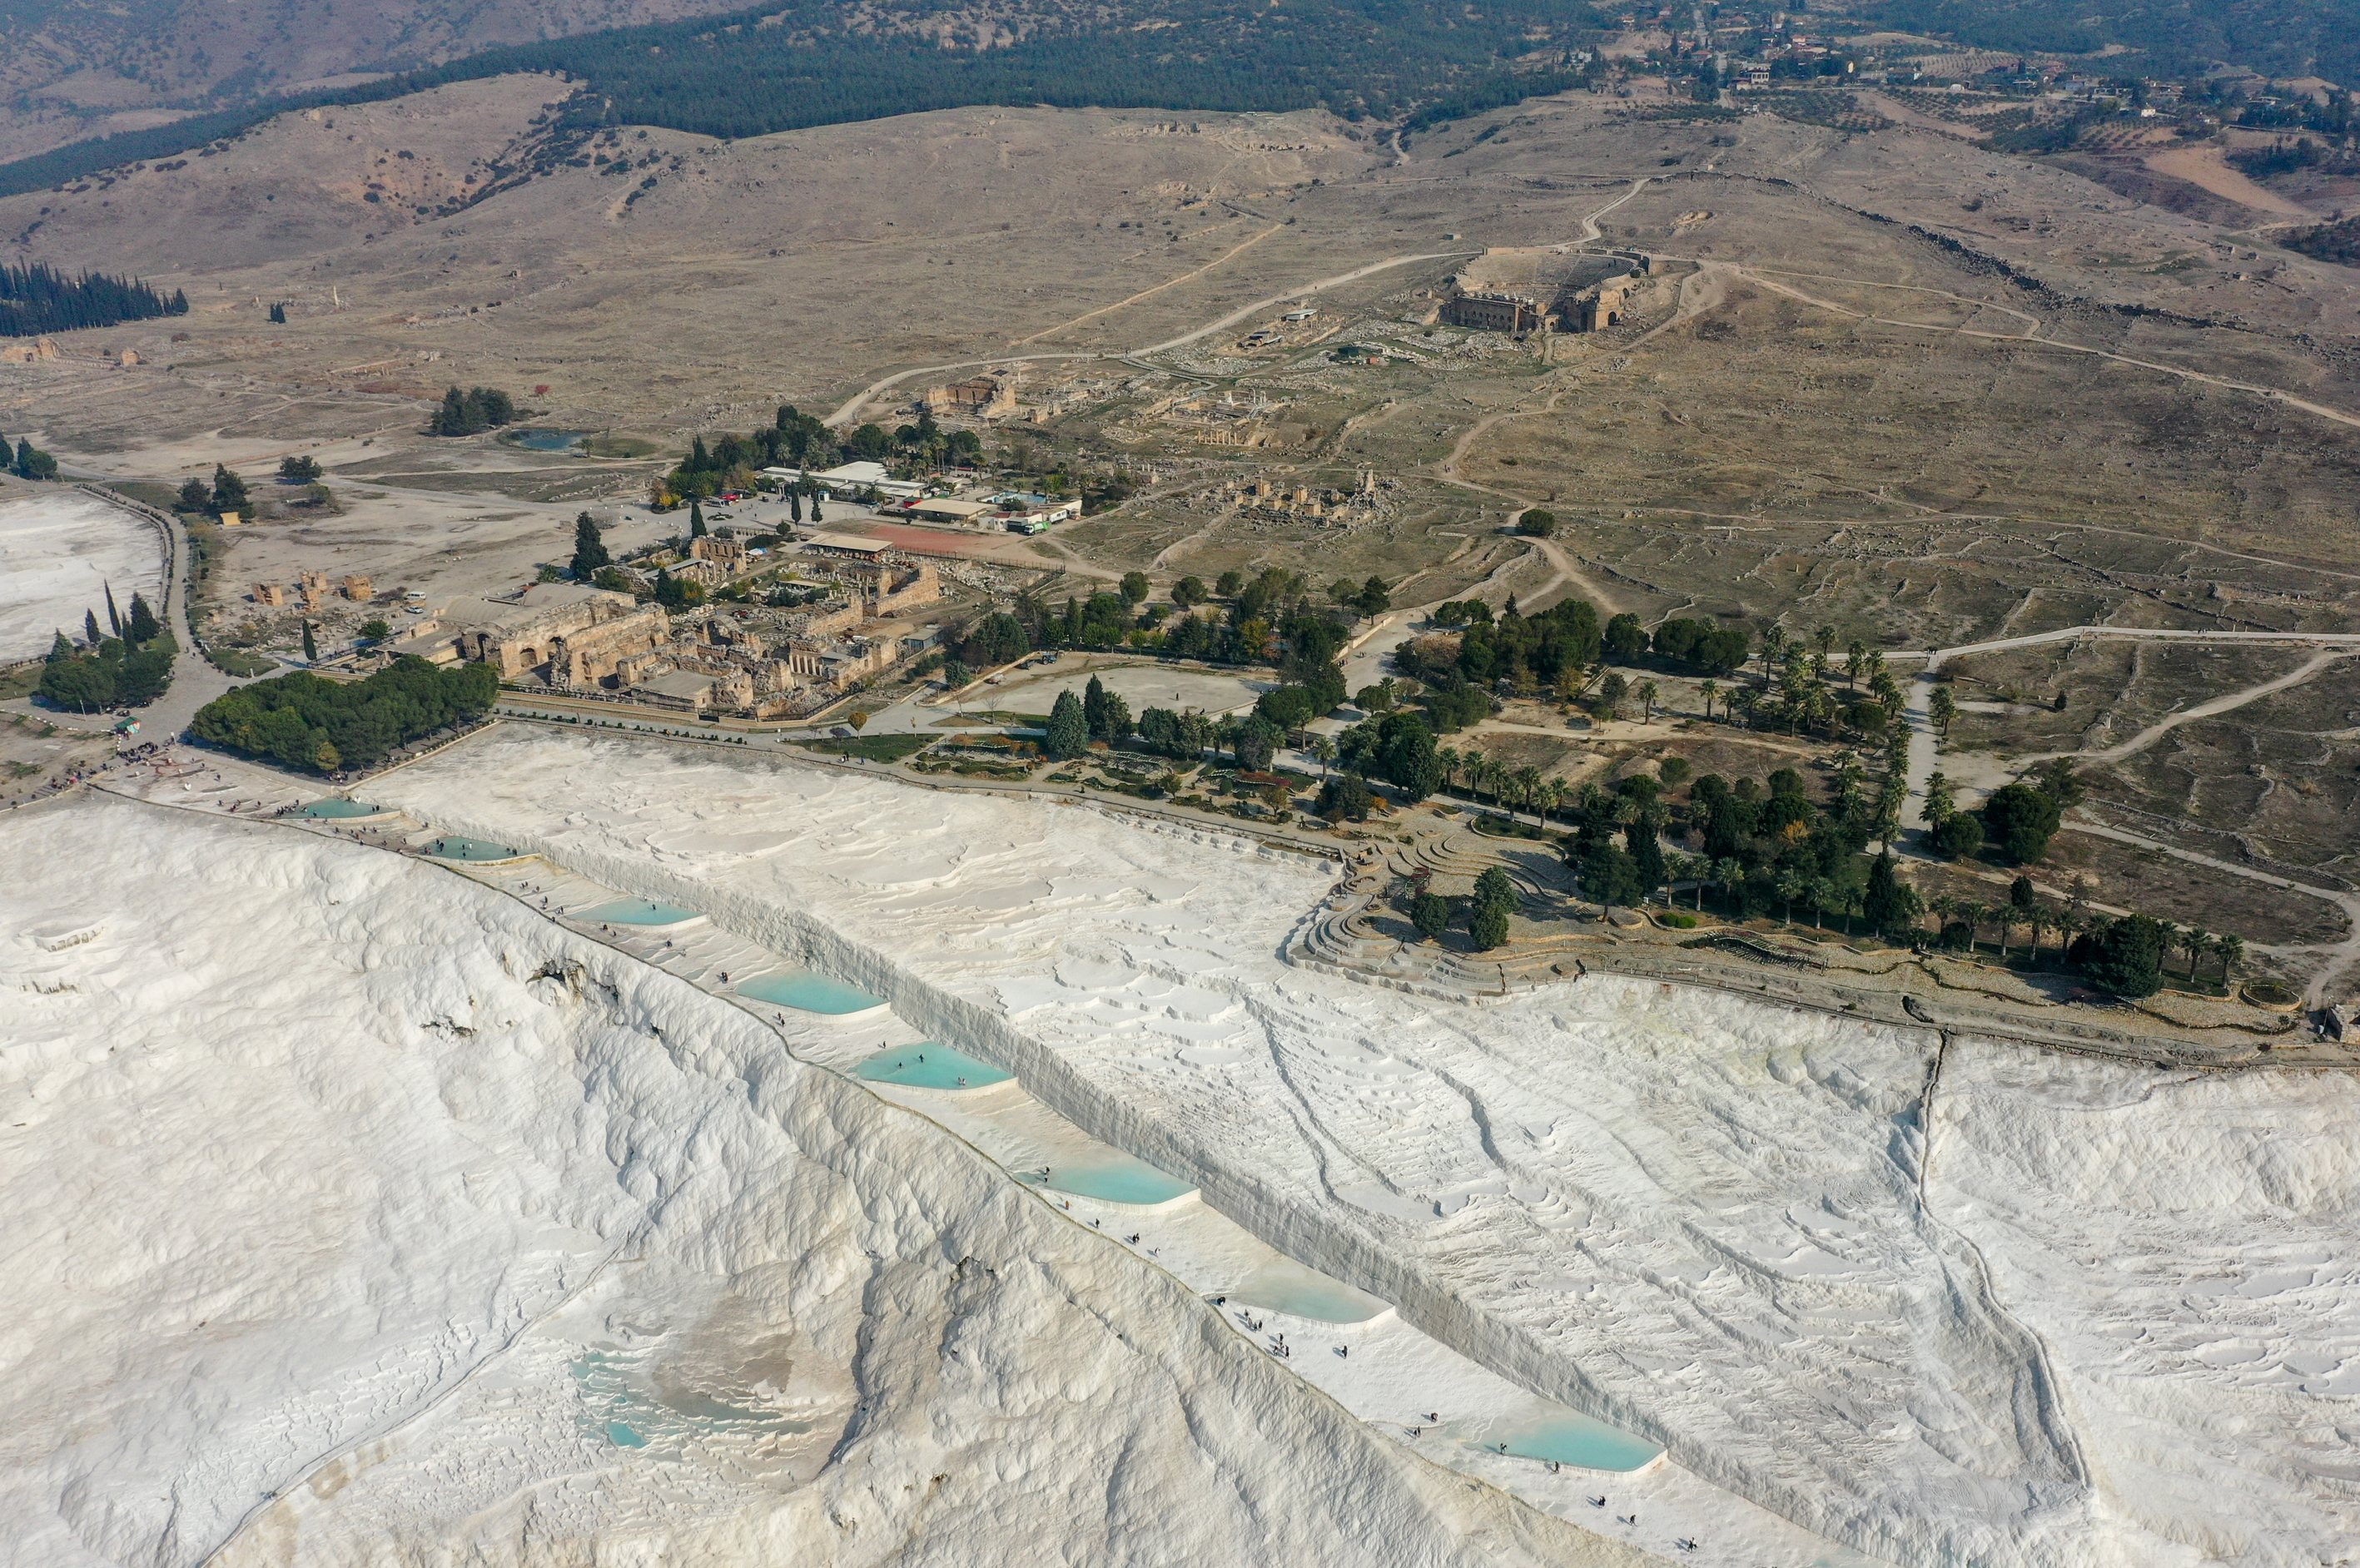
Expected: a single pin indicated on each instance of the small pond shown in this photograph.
(547, 441)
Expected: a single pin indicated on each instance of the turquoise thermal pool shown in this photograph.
(1112, 1177)
(333, 808)
(1284, 1285)
(929, 1065)
(1567, 1437)
(635, 912)
(471, 849)
(810, 993)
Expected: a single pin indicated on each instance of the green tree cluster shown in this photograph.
(27, 462)
(113, 672)
(302, 721)
(298, 471)
(37, 299)
(472, 412)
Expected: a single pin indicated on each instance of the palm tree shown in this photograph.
(1774, 643)
(1855, 661)
(1552, 797)
(1826, 637)
(2231, 952)
(1944, 908)
(1974, 915)
(2196, 943)
(1791, 887)
(1647, 702)
(1708, 689)
(1450, 758)
(1697, 869)
(1744, 699)
(2170, 934)
(1852, 901)
(1323, 748)
(1528, 784)
(1822, 894)
(1730, 871)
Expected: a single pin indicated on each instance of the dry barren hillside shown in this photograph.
(76, 69)
(1898, 324)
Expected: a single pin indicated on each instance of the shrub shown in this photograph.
(2019, 820)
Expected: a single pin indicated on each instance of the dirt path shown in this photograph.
(2163, 726)
(1978, 772)
(1238, 249)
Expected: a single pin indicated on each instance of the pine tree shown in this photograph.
(696, 519)
(311, 645)
(589, 550)
(60, 647)
(1068, 734)
(671, 593)
(195, 496)
(229, 491)
(143, 626)
(114, 617)
(816, 517)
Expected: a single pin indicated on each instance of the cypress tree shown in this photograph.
(311, 645)
(794, 506)
(7, 456)
(114, 618)
(143, 629)
(816, 517)
(1094, 710)
(589, 550)
(90, 627)
(696, 519)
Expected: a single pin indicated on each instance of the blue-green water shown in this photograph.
(1569, 1438)
(635, 912)
(1114, 1177)
(811, 993)
(619, 1405)
(332, 807)
(927, 1065)
(1284, 1285)
(548, 441)
(471, 849)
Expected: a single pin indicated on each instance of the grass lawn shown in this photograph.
(876, 749)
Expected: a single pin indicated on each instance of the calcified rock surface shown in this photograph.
(333, 1175)
(59, 549)
(2109, 1324)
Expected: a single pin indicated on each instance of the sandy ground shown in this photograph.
(1729, 1229)
(59, 549)
(2203, 167)
(1140, 685)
